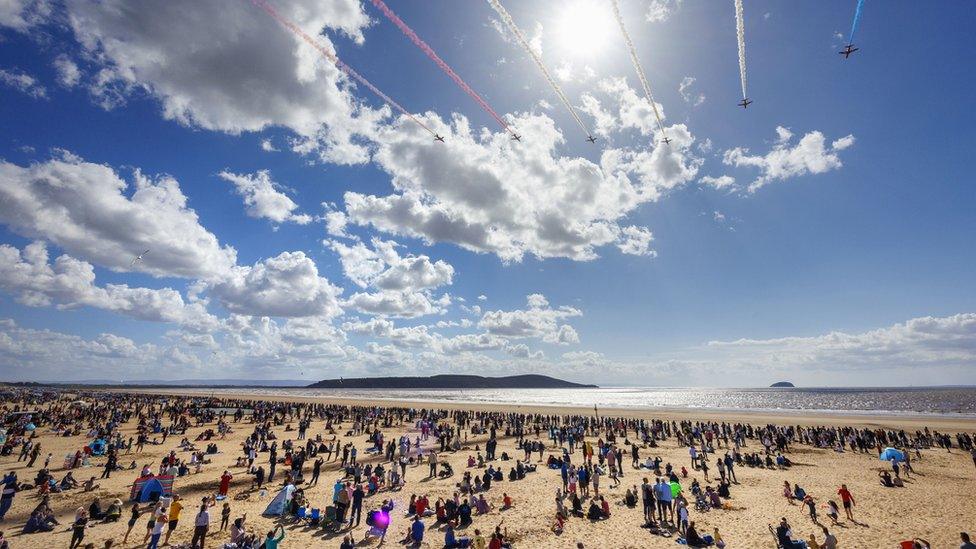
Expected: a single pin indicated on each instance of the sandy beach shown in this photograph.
(936, 502)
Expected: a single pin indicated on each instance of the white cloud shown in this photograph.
(49, 355)
(398, 304)
(68, 72)
(268, 146)
(636, 241)
(721, 182)
(659, 11)
(539, 320)
(20, 15)
(70, 283)
(487, 195)
(245, 74)
(918, 342)
(287, 285)
(687, 94)
(809, 155)
(263, 197)
(91, 212)
(23, 83)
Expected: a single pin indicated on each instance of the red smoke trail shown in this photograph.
(440, 62)
(263, 4)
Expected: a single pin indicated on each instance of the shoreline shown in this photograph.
(909, 420)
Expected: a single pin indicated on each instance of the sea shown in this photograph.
(956, 402)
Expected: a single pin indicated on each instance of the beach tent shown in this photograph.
(277, 506)
(147, 489)
(98, 447)
(892, 454)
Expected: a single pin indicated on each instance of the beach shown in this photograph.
(935, 503)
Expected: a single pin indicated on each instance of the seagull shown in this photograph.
(138, 258)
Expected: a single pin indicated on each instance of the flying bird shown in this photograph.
(138, 258)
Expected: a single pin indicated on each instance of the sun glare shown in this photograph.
(584, 28)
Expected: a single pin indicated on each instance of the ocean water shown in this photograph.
(950, 401)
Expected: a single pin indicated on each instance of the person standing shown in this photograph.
(78, 529)
(848, 501)
(36, 451)
(225, 482)
(201, 524)
(357, 505)
(8, 493)
(157, 529)
(316, 469)
(174, 517)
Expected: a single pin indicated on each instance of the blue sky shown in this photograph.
(840, 255)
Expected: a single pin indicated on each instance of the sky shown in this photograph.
(191, 190)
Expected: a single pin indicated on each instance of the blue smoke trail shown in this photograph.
(857, 19)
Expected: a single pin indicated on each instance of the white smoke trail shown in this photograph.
(740, 29)
(637, 66)
(510, 23)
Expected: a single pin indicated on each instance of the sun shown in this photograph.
(584, 28)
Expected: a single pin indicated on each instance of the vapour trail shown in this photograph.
(263, 4)
(637, 65)
(857, 19)
(440, 62)
(510, 23)
(740, 29)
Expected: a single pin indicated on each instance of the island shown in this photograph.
(782, 384)
(451, 381)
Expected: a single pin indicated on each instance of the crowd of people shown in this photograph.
(289, 445)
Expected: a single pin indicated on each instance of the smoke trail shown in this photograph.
(857, 19)
(510, 23)
(263, 4)
(637, 65)
(740, 29)
(440, 62)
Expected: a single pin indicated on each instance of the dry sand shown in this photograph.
(936, 504)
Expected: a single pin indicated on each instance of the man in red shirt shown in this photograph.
(848, 500)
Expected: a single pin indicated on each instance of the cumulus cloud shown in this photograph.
(94, 214)
(69, 283)
(538, 320)
(626, 109)
(21, 15)
(263, 198)
(203, 63)
(722, 182)
(811, 154)
(68, 72)
(659, 11)
(689, 95)
(917, 342)
(488, 196)
(398, 304)
(287, 285)
(23, 82)
(404, 284)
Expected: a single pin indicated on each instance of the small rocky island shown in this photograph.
(531, 381)
(782, 384)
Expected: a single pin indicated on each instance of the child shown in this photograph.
(224, 516)
(833, 511)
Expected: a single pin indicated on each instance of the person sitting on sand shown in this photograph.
(693, 539)
(885, 477)
(114, 511)
(784, 535)
(594, 512)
